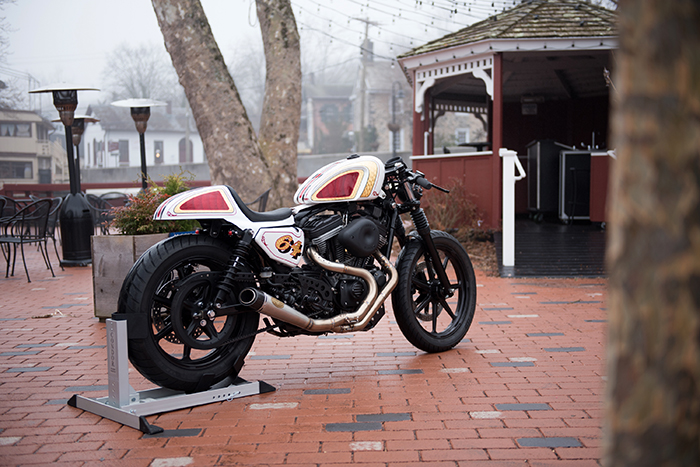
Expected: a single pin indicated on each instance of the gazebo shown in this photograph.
(538, 71)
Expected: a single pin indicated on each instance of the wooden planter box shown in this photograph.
(112, 257)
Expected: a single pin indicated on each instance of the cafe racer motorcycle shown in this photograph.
(193, 302)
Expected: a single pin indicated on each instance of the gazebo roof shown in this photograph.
(532, 19)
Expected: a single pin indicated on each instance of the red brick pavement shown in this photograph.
(538, 342)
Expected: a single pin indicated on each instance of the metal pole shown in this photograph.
(393, 119)
(144, 174)
(71, 161)
(77, 169)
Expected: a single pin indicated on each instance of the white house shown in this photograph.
(113, 142)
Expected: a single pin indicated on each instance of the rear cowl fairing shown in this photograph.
(274, 231)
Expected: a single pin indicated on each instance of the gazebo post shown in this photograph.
(497, 122)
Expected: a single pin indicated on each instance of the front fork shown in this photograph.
(420, 221)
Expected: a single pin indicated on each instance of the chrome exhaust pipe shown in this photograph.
(263, 303)
(259, 301)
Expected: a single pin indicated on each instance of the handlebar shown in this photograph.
(398, 165)
(422, 181)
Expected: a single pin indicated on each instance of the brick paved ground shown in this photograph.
(525, 388)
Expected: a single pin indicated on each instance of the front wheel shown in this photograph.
(168, 287)
(431, 318)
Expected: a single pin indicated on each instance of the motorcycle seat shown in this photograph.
(272, 216)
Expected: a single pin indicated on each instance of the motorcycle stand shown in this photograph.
(126, 406)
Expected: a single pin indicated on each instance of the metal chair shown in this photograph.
(27, 226)
(51, 227)
(100, 211)
(8, 207)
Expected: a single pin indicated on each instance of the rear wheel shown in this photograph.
(432, 319)
(171, 287)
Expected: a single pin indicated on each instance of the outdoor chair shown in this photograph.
(8, 207)
(27, 226)
(52, 225)
(100, 210)
(115, 198)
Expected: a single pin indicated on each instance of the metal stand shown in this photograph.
(126, 406)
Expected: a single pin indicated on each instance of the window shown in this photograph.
(19, 130)
(98, 148)
(14, 169)
(329, 113)
(123, 152)
(185, 156)
(158, 152)
(45, 163)
(24, 130)
(396, 140)
(461, 135)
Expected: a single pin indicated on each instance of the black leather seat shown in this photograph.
(276, 215)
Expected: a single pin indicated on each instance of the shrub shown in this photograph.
(136, 218)
(456, 213)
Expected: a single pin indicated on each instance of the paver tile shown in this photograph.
(514, 377)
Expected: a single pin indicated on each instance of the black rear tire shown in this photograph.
(430, 319)
(150, 289)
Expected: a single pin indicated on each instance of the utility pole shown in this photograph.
(366, 50)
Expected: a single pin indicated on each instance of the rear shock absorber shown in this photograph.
(236, 264)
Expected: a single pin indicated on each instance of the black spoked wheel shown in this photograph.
(431, 318)
(182, 345)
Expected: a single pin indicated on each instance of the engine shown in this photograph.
(320, 293)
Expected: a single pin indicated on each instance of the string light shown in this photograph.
(433, 19)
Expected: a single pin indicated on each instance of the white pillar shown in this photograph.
(510, 161)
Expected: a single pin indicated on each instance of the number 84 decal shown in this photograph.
(286, 243)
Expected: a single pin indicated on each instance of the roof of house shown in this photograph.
(380, 75)
(171, 119)
(14, 115)
(532, 19)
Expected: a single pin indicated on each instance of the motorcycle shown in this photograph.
(193, 302)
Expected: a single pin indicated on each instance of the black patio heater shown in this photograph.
(77, 129)
(140, 112)
(75, 218)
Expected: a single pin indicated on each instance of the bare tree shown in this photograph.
(12, 96)
(653, 393)
(236, 156)
(279, 123)
(141, 71)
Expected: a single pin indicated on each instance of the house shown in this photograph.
(381, 102)
(110, 148)
(27, 154)
(328, 112)
(537, 74)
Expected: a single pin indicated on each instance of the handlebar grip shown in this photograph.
(424, 183)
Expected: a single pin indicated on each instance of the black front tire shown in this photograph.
(428, 317)
(150, 289)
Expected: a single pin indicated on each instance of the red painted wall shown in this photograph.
(475, 172)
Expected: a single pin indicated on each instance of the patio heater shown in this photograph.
(140, 112)
(77, 129)
(75, 218)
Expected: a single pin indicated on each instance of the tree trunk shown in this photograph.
(281, 115)
(653, 393)
(232, 149)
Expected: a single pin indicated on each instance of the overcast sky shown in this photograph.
(68, 40)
